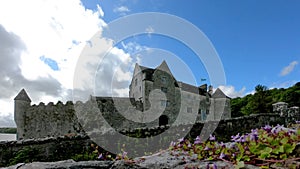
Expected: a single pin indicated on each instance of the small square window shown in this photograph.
(164, 89)
(164, 79)
(165, 103)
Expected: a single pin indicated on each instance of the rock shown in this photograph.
(162, 160)
(67, 164)
(165, 160)
(125, 165)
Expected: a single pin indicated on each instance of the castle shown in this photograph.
(155, 97)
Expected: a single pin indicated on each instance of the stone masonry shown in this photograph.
(156, 98)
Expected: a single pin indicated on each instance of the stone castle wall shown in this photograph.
(100, 114)
(48, 120)
(38, 121)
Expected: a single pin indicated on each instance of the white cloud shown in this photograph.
(284, 84)
(231, 92)
(288, 69)
(149, 31)
(133, 47)
(121, 9)
(58, 30)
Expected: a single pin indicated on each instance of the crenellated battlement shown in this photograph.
(57, 119)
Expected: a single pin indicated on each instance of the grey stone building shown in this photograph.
(157, 89)
(155, 98)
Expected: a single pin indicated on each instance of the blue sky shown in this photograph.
(255, 40)
(41, 49)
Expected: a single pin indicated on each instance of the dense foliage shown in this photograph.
(263, 98)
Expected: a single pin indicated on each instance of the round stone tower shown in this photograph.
(22, 103)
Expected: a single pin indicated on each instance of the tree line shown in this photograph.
(263, 98)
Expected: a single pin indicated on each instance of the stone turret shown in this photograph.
(22, 103)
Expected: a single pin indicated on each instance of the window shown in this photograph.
(135, 82)
(189, 109)
(207, 111)
(164, 79)
(140, 88)
(164, 89)
(164, 103)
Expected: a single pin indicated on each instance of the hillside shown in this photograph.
(262, 100)
(8, 130)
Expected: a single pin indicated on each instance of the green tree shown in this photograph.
(260, 102)
(263, 98)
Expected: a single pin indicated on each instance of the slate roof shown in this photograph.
(189, 88)
(219, 94)
(23, 96)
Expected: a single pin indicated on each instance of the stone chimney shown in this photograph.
(210, 89)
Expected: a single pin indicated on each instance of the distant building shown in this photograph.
(283, 109)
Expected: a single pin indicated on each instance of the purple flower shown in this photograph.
(234, 138)
(197, 140)
(222, 156)
(254, 131)
(290, 132)
(124, 154)
(297, 122)
(100, 156)
(242, 139)
(222, 145)
(267, 128)
(189, 145)
(253, 137)
(206, 148)
(181, 140)
(215, 166)
(276, 129)
(212, 138)
(173, 144)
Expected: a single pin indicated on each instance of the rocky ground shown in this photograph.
(162, 160)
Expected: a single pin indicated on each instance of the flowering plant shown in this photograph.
(261, 147)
